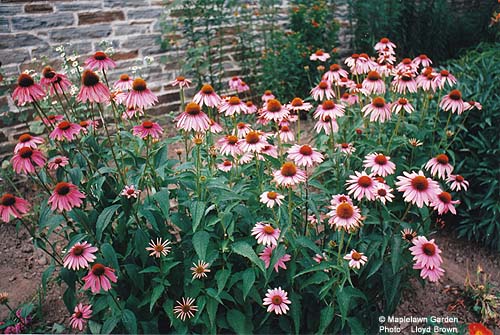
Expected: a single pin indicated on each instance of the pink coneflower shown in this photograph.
(286, 135)
(225, 166)
(200, 270)
(79, 256)
(346, 148)
(124, 83)
(327, 124)
(65, 197)
(242, 87)
(65, 130)
(373, 83)
(426, 253)
(277, 301)
(358, 63)
(340, 198)
(378, 110)
(356, 259)
(234, 82)
(289, 175)
(319, 258)
(232, 106)
(335, 73)
(25, 160)
(26, 140)
(385, 63)
(408, 234)
(193, 118)
(56, 83)
(92, 89)
(297, 104)
(422, 60)
(383, 193)
(274, 111)
(251, 108)
(246, 158)
(443, 203)
(265, 234)
(159, 248)
(269, 150)
(140, 96)
(329, 108)
(304, 155)
(357, 89)
(445, 77)
(27, 90)
(426, 80)
(186, 308)
(271, 198)
(406, 66)
(100, 61)
(80, 316)
(131, 113)
(417, 188)
(319, 55)
(403, 82)
(439, 165)
(99, 276)
(254, 141)
(433, 274)
(181, 82)
(130, 191)
(362, 185)
(12, 205)
(402, 104)
(266, 255)
(52, 119)
(88, 124)
(345, 216)
(322, 90)
(457, 182)
(385, 45)
(58, 162)
(267, 96)
(379, 164)
(229, 146)
(148, 128)
(215, 128)
(453, 101)
(207, 96)
(468, 105)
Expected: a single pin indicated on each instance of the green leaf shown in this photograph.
(200, 244)
(109, 325)
(296, 311)
(151, 269)
(110, 255)
(212, 306)
(307, 243)
(244, 249)
(239, 322)
(157, 292)
(248, 281)
(163, 201)
(344, 296)
(95, 327)
(129, 321)
(325, 318)
(221, 277)
(321, 266)
(197, 209)
(396, 253)
(104, 219)
(356, 326)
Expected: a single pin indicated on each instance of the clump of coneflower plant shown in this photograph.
(254, 224)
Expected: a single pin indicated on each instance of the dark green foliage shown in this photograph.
(439, 28)
(477, 146)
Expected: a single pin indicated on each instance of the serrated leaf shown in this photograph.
(248, 281)
(109, 325)
(244, 249)
(151, 269)
(238, 322)
(197, 209)
(163, 201)
(104, 219)
(221, 277)
(95, 327)
(296, 311)
(110, 255)
(200, 243)
(325, 318)
(396, 253)
(307, 243)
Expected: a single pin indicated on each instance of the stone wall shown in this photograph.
(31, 30)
